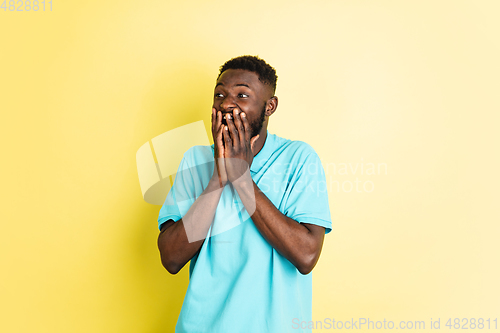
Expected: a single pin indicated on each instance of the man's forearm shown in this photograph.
(293, 240)
(180, 241)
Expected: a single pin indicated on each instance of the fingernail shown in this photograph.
(228, 116)
(225, 127)
(243, 114)
(236, 111)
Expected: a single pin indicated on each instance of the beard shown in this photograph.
(257, 124)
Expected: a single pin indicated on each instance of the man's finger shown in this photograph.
(227, 140)
(219, 137)
(213, 121)
(219, 119)
(218, 124)
(246, 125)
(239, 125)
(232, 130)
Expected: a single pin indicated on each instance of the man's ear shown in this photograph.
(271, 105)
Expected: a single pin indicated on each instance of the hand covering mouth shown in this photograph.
(224, 121)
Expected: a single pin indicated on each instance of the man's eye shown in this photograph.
(242, 95)
(217, 95)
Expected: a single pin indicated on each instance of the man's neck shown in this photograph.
(260, 141)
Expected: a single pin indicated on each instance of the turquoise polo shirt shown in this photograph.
(237, 281)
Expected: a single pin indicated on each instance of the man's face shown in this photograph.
(239, 88)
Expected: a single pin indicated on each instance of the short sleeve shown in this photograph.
(307, 196)
(171, 210)
(190, 180)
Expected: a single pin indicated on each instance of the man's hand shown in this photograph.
(238, 145)
(179, 241)
(217, 129)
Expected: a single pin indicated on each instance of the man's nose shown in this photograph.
(227, 104)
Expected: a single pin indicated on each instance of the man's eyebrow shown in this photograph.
(236, 85)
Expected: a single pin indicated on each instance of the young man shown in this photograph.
(250, 212)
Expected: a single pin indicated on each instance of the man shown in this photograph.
(249, 212)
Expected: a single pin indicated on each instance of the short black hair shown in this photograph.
(266, 73)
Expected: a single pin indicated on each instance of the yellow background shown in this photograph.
(412, 84)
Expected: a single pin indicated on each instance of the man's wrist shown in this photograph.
(243, 183)
(215, 183)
